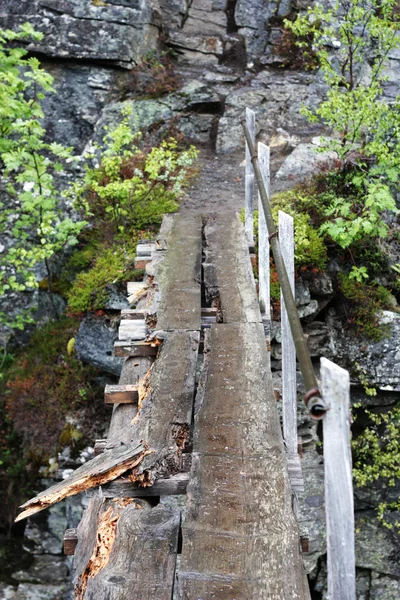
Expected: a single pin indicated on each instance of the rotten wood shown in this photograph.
(126, 394)
(70, 541)
(240, 531)
(228, 275)
(140, 263)
(126, 551)
(101, 469)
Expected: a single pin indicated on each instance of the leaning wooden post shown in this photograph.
(249, 180)
(338, 482)
(289, 384)
(263, 242)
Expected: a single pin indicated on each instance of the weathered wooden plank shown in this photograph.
(70, 541)
(145, 249)
(126, 552)
(126, 394)
(289, 382)
(263, 242)
(141, 262)
(135, 349)
(132, 329)
(172, 486)
(136, 287)
(228, 275)
(105, 467)
(240, 529)
(179, 276)
(165, 413)
(339, 502)
(165, 231)
(249, 181)
(132, 313)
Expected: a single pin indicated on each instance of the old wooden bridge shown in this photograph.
(195, 417)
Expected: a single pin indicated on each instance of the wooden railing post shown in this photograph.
(263, 242)
(289, 384)
(338, 482)
(249, 180)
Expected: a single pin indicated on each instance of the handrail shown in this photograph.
(313, 399)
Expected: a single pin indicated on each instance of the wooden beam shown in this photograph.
(132, 313)
(126, 551)
(240, 530)
(249, 181)
(145, 249)
(132, 329)
(289, 380)
(99, 446)
(70, 541)
(135, 349)
(122, 394)
(141, 262)
(339, 503)
(123, 488)
(263, 242)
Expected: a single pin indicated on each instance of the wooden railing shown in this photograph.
(333, 405)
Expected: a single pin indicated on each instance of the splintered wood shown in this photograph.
(126, 551)
(101, 469)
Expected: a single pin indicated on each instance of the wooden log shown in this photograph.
(122, 394)
(240, 529)
(289, 382)
(135, 349)
(339, 502)
(70, 541)
(179, 277)
(228, 275)
(105, 467)
(126, 551)
(123, 488)
(263, 242)
(249, 181)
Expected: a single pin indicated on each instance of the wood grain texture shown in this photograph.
(263, 243)
(240, 529)
(134, 349)
(289, 381)
(141, 564)
(173, 486)
(126, 394)
(132, 329)
(228, 275)
(249, 180)
(179, 276)
(338, 482)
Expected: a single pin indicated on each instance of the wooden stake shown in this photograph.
(338, 482)
(289, 388)
(249, 180)
(263, 242)
(121, 394)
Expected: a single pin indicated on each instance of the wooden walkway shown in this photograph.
(194, 409)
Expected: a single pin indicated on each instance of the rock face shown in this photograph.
(94, 344)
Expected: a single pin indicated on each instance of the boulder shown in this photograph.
(304, 162)
(377, 546)
(94, 344)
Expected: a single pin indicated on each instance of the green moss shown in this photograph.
(362, 303)
(309, 244)
(90, 290)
